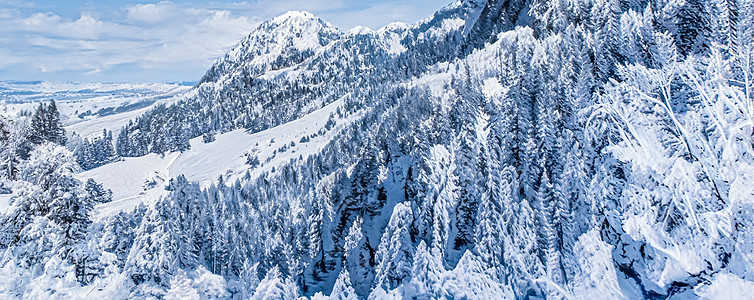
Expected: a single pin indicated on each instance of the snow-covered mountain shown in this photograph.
(497, 149)
(284, 41)
(299, 77)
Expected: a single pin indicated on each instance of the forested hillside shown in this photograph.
(564, 149)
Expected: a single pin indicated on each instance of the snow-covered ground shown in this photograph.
(143, 179)
(112, 123)
(4, 201)
(87, 108)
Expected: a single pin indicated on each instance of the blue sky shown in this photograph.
(165, 41)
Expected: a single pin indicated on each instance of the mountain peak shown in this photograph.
(295, 15)
(360, 30)
(395, 26)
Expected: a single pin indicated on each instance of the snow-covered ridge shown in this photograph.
(291, 38)
(296, 57)
(394, 26)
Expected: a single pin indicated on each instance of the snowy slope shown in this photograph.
(114, 123)
(143, 179)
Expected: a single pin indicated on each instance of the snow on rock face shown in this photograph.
(294, 15)
(392, 35)
(446, 26)
(726, 286)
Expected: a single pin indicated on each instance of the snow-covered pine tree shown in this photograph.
(572, 214)
(153, 255)
(723, 22)
(436, 198)
(96, 192)
(342, 289)
(249, 277)
(54, 131)
(522, 263)
(275, 286)
(549, 253)
(426, 274)
(70, 210)
(395, 253)
(490, 238)
(187, 213)
(46, 126)
(37, 127)
(606, 16)
(8, 151)
(464, 118)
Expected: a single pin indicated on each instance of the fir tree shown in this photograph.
(37, 132)
(54, 128)
(46, 125)
(395, 253)
(96, 192)
(343, 290)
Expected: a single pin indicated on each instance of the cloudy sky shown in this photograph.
(167, 41)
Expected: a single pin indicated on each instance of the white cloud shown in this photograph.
(86, 26)
(152, 13)
(203, 40)
(41, 19)
(6, 13)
